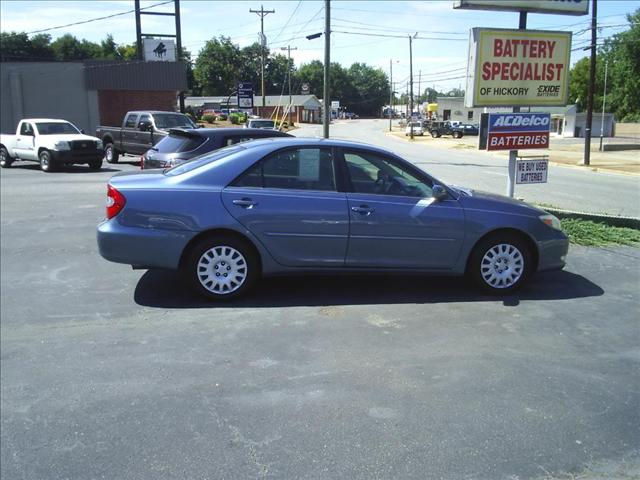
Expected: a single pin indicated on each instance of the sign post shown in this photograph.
(245, 96)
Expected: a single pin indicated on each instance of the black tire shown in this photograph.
(5, 158)
(95, 164)
(200, 266)
(457, 135)
(46, 165)
(111, 155)
(501, 274)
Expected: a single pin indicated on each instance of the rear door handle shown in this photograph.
(363, 210)
(245, 202)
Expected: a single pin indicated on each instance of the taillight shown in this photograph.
(141, 162)
(115, 202)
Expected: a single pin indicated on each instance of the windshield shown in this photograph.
(172, 120)
(262, 124)
(203, 160)
(56, 128)
(178, 143)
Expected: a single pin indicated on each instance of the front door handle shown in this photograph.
(245, 203)
(363, 210)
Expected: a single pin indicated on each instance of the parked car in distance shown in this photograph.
(181, 145)
(417, 127)
(140, 130)
(351, 116)
(437, 129)
(470, 129)
(261, 123)
(303, 205)
(52, 143)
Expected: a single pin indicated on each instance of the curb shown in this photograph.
(611, 220)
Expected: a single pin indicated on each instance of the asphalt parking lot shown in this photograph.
(110, 373)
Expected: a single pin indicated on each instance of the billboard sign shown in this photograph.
(245, 95)
(159, 50)
(558, 7)
(532, 170)
(518, 131)
(510, 68)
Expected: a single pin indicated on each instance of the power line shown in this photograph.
(288, 20)
(400, 36)
(96, 19)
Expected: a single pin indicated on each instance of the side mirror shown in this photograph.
(82, 130)
(439, 192)
(144, 126)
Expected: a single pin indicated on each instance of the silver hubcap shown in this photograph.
(502, 266)
(109, 154)
(222, 270)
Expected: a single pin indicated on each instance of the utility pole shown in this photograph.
(288, 49)
(391, 91)
(604, 102)
(592, 82)
(262, 13)
(327, 63)
(139, 52)
(411, 80)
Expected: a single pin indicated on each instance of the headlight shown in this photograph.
(62, 145)
(550, 220)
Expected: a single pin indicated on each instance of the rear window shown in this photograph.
(179, 143)
(203, 160)
(262, 124)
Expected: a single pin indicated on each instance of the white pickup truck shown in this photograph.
(51, 143)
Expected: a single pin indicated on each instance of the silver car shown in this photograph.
(295, 205)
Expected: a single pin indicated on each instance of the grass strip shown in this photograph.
(597, 234)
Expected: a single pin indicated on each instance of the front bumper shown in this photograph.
(70, 157)
(141, 246)
(552, 253)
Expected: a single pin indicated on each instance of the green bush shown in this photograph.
(237, 118)
(209, 118)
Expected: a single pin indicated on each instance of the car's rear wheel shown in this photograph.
(95, 164)
(5, 158)
(45, 161)
(110, 154)
(222, 267)
(457, 135)
(500, 264)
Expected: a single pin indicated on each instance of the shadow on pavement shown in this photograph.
(167, 289)
(64, 169)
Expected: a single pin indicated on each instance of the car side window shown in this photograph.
(294, 169)
(379, 175)
(26, 129)
(130, 122)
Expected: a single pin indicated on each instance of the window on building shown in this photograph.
(470, 115)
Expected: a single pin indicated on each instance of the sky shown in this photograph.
(439, 51)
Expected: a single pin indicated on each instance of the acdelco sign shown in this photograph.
(515, 131)
(518, 68)
(559, 7)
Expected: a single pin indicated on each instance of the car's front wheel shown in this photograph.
(222, 267)
(95, 164)
(500, 264)
(45, 161)
(110, 154)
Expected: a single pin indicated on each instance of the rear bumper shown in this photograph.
(141, 246)
(75, 157)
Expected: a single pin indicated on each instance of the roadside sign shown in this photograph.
(518, 131)
(335, 104)
(569, 7)
(159, 50)
(532, 170)
(245, 95)
(511, 68)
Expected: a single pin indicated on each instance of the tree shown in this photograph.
(370, 89)
(69, 48)
(311, 73)
(18, 46)
(218, 67)
(109, 48)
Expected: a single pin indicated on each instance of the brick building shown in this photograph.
(88, 93)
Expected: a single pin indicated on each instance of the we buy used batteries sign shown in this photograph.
(518, 131)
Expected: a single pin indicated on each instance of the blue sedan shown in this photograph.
(295, 205)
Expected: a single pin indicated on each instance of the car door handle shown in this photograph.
(363, 210)
(245, 203)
